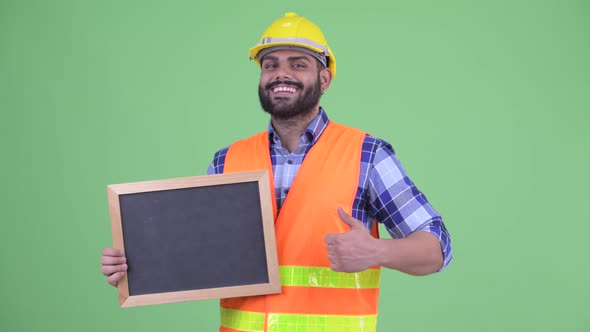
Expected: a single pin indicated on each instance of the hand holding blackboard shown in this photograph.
(192, 238)
(113, 265)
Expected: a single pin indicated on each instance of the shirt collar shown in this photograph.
(311, 134)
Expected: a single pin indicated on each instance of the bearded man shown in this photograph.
(333, 184)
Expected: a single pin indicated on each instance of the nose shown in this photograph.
(283, 72)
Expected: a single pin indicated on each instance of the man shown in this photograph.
(331, 183)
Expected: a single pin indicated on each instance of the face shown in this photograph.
(291, 84)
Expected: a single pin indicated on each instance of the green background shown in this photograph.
(485, 102)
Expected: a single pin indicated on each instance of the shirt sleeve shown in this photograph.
(218, 162)
(399, 205)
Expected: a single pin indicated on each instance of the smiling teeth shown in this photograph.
(284, 89)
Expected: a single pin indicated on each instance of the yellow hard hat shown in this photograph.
(295, 31)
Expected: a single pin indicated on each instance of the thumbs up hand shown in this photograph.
(352, 251)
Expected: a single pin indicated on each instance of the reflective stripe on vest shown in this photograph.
(254, 322)
(315, 276)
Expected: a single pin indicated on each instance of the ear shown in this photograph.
(325, 79)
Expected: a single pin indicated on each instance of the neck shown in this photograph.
(290, 129)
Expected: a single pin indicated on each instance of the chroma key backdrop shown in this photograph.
(485, 102)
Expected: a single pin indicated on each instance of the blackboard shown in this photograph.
(195, 238)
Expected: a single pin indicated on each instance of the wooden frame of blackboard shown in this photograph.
(269, 286)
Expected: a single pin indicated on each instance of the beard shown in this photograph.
(281, 108)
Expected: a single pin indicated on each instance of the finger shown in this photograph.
(330, 249)
(332, 258)
(114, 278)
(349, 220)
(112, 252)
(111, 260)
(109, 270)
(330, 238)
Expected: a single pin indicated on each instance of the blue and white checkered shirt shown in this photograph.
(385, 192)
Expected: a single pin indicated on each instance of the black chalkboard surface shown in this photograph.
(195, 238)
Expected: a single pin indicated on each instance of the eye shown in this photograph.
(269, 65)
(299, 65)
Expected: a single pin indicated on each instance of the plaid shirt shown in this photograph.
(385, 192)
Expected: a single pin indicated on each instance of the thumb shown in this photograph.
(349, 220)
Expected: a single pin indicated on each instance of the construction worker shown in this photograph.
(332, 184)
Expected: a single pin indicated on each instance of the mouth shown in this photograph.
(284, 90)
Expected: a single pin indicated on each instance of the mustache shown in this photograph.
(275, 83)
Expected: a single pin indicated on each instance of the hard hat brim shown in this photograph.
(256, 49)
(253, 52)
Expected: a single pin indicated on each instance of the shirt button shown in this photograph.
(286, 191)
(289, 161)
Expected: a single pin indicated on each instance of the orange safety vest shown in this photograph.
(313, 296)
